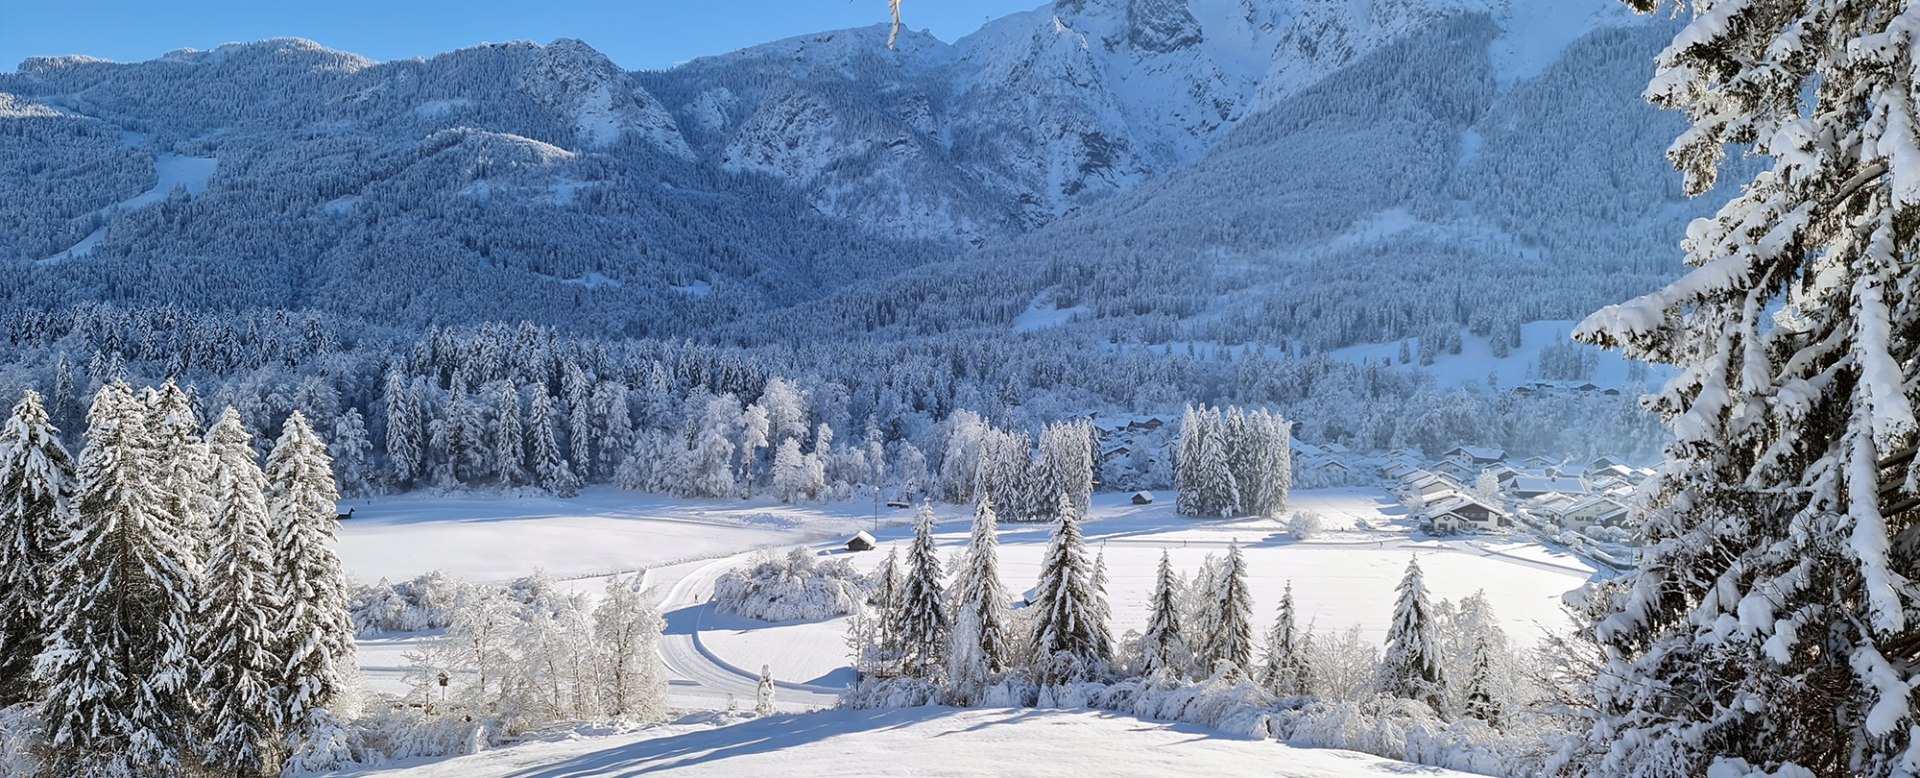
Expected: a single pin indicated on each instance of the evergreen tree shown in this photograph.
(239, 611)
(509, 440)
(352, 451)
(1206, 486)
(1773, 616)
(315, 642)
(1165, 655)
(118, 659)
(615, 425)
(753, 437)
(1229, 642)
(1410, 668)
(1068, 607)
(980, 647)
(920, 621)
(1287, 673)
(789, 471)
(182, 463)
(550, 465)
(406, 429)
(36, 518)
(887, 599)
(1481, 702)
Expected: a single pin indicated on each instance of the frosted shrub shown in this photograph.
(414, 605)
(794, 587)
(1305, 525)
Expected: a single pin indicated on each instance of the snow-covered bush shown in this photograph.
(795, 587)
(402, 732)
(1305, 525)
(414, 605)
(1408, 731)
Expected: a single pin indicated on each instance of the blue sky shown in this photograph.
(637, 34)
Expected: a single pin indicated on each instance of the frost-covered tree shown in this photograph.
(181, 462)
(1410, 667)
(1164, 653)
(920, 620)
(627, 629)
(1206, 486)
(37, 484)
(790, 478)
(406, 429)
(1067, 624)
(509, 438)
(352, 452)
(549, 462)
(786, 408)
(1774, 616)
(754, 431)
(119, 657)
(459, 441)
(614, 430)
(1229, 621)
(980, 646)
(1287, 672)
(315, 641)
(240, 610)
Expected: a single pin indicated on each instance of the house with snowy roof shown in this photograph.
(1475, 455)
(1460, 511)
(1529, 487)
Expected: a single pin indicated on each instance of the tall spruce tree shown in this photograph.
(1229, 644)
(240, 610)
(980, 647)
(1165, 655)
(1206, 485)
(37, 483)
(920, 620)
(1410, 668)
(315, 643)
(1774, 618)
(549, 462)
(118, 659)
(181, 461)
(1287, 673)
(1068, 624)
(406, 429)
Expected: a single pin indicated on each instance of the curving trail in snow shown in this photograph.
(699, 673)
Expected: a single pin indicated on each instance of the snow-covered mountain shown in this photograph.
(547, 182)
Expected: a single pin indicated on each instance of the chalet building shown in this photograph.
(1529, 487)
(1475, 455)
(1457, 512)
(862, 542)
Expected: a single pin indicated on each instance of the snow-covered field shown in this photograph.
(943, 742)
(1343, 577)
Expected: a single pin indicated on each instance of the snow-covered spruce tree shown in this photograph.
(118, 658)
(36, 517)
(920, 620)
(352, 453)
(1286, 673)
(1229, 640)
(1481, 696)
(613, 428)
(1774, 618)
(627, 630)
(980, 647)
(1068, 639)
(315, 640)
(406, 429)
(1410, 667)
(763, 697)
(182, 463)
(509, 435)
(549, 463)
(1164, 654)
(1103, 609)
(1205, 478)
(240, 610)
(789, 471)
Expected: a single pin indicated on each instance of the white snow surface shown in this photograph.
(942, 742)
(171, 170)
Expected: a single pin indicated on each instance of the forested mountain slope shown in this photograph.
(1289, 144)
